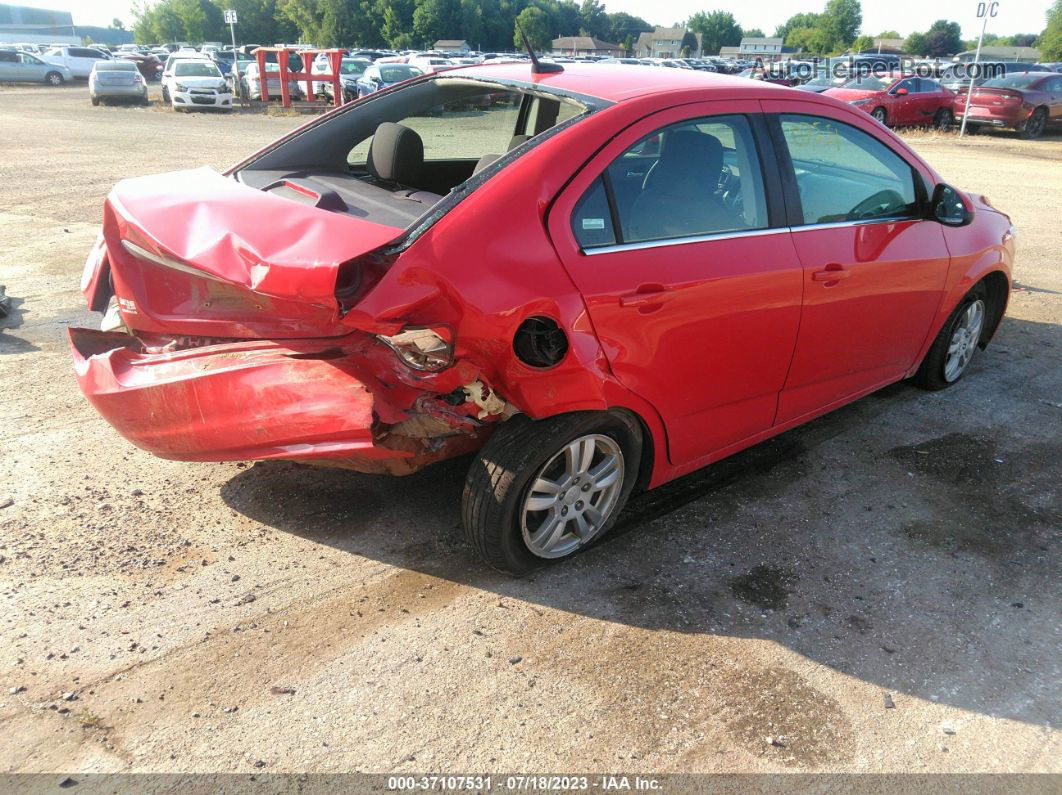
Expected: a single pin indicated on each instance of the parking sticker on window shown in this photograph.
(593, 223)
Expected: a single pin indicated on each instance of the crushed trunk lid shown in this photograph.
(196, 252)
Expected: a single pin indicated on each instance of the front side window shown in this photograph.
(844, 174)
(694, 178)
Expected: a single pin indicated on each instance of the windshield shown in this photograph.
(195, 69)
(868, 83)
(353, 67)
(224, 55)
(115, 66)
(1023, 80)
(396, 74)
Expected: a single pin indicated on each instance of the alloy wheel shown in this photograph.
(55, 79)
(572, 496)
(1034, 127)
(879, 114)
(964, 340)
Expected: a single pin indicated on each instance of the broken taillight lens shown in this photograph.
(428, 349)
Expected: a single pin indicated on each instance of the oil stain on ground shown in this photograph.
(767, 587)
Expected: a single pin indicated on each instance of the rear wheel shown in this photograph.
(952, 351)
(943, 119)
(1034, 126)
(53, 79)
(542, 491)
(880, 115)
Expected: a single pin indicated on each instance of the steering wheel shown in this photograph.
(877, 205)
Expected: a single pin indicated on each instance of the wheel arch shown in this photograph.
(997, 291)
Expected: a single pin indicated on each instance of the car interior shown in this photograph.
(394, 157)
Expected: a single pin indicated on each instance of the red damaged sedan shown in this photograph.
(899, 101)
(1029, 102)
(616, 277)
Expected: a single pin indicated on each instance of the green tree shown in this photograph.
(593, 18)
(117, 24)
(534, 22)
(396, 22)
(1050, 41)
(623, 26)
(840, 22)
(689, 44)
(814, 41)
(916, 44)
(717, 29)
(796, 22)
(472, 28)
(752, 33)
(862, 44)
(943, 38)
(434, 20)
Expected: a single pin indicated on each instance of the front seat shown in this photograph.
(678, 196)
(395, 162)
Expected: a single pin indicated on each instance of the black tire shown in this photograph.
(881, 115)
(501, 476)
(165, 94)
(95, 101)
(54, 79)
(943, 119)
(930, 374)
(1035, 124)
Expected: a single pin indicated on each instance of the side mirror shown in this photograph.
(901, 92)
(950, 206)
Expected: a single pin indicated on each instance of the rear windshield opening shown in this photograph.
(395, 157)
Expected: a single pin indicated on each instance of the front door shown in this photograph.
(688, 271)
(874, 268)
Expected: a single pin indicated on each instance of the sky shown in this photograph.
(1015, 16)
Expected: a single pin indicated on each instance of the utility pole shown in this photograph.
(984, 11)
(230, 19)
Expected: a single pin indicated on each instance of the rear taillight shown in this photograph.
(356, 276)
(423, 348)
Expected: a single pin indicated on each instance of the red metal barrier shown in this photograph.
(283, 55)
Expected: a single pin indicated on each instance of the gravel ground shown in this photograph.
(877, 591)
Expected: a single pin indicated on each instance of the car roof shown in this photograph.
(617, 82)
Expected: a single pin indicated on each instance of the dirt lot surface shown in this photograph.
(877, 591)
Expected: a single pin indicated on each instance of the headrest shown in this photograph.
(396, 154)
(689, 155)
(483, 162)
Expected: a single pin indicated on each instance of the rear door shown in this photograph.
(675, 236)
(874, 266)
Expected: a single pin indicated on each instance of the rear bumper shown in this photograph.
(128, 92)
(239, 401)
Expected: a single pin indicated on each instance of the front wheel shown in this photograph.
(541, 491)
(95, 101)
(54, 79)
(880, 115)
(952, 351)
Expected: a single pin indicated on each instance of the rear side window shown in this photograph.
(592, 219)
(844, 174)
(694, 178)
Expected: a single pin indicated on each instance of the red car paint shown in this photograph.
(1012, 107)
(905, 100)
(725, 343)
